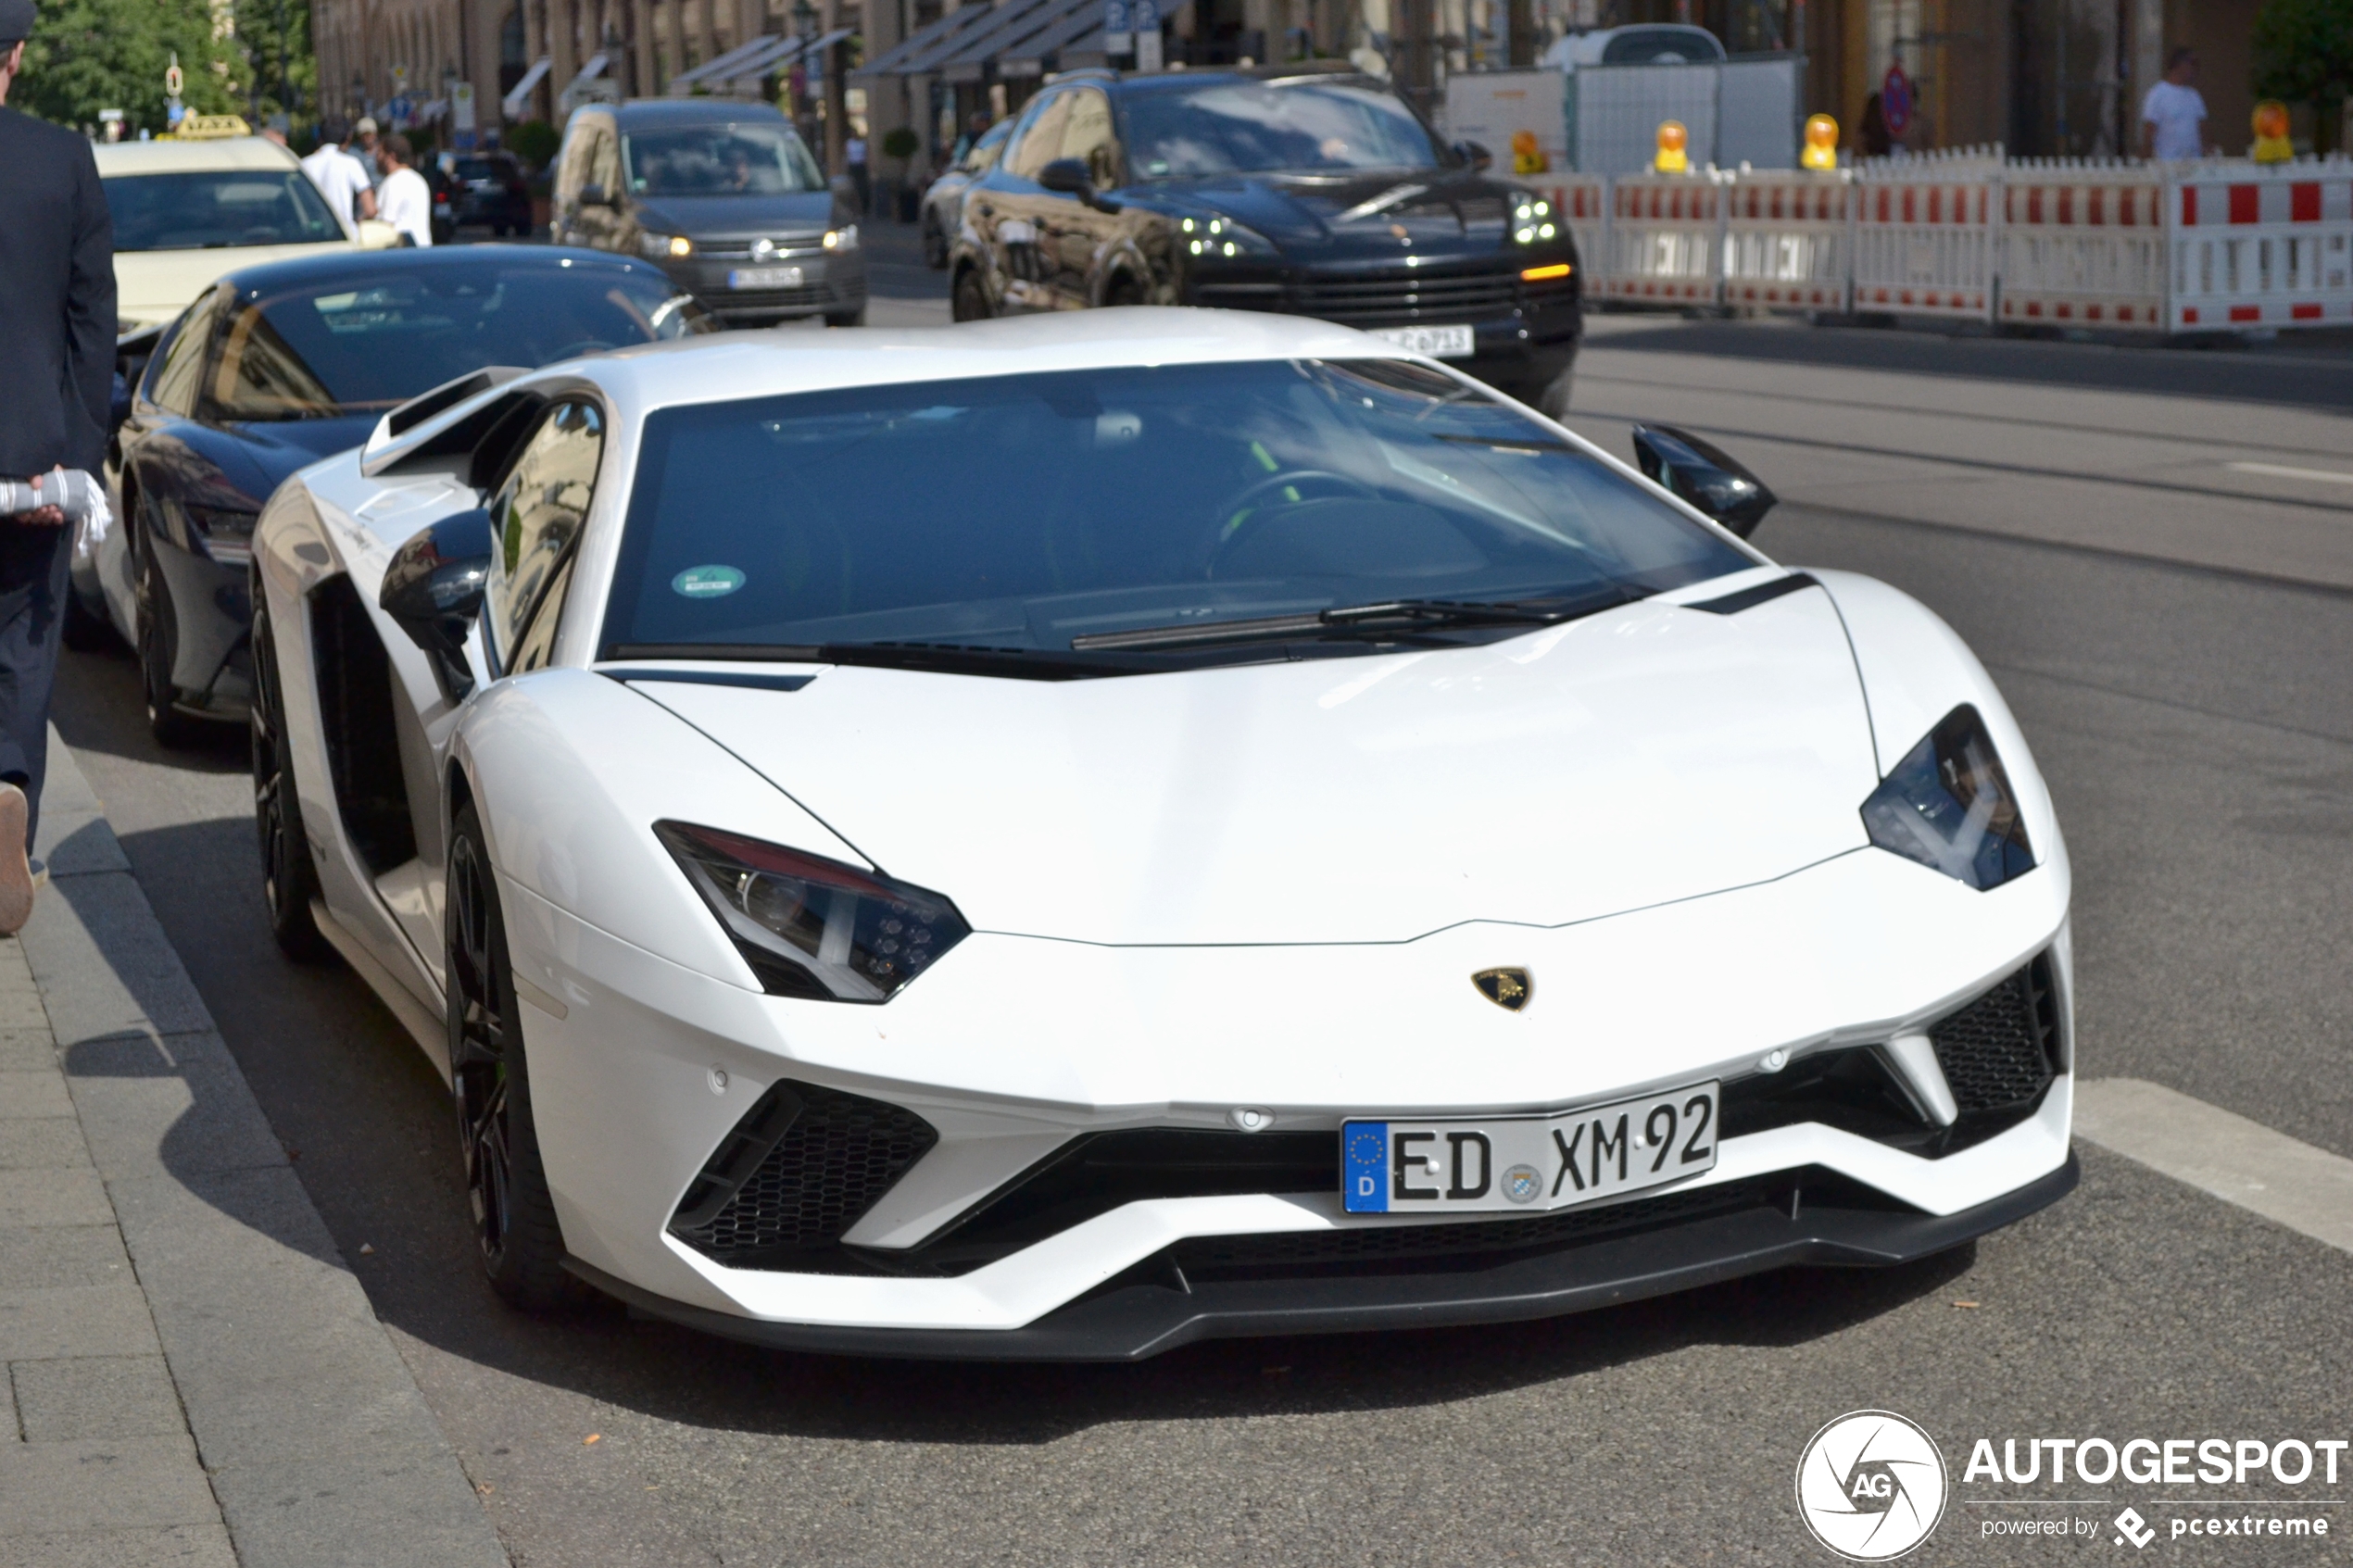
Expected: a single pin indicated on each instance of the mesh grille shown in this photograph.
(2002, 1049)
(1406, 296)
(798, 1171)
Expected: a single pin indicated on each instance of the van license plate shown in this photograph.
(764, 278)
(1439, 343)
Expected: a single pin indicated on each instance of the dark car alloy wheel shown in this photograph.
(156, 644)
(971, 300)
(289, 881)
(505, 1186)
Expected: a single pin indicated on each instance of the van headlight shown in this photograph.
(1949, 804)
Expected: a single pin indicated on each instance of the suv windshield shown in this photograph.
(1260, 127)
(216, 207)
(1020, 512)
(745, 158)
(365, 341)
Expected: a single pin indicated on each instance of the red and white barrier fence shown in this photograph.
(2177, 247)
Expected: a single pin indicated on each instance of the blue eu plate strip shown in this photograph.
(1364, 1167)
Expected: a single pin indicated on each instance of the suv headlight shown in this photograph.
(665, 247)
(812, 927)
(1533, 220)
(1949, 806)
(1219, 238)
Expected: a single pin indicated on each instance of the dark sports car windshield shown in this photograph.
(1020, 512)
(216, 209)
(1263, 127)
(366, 340)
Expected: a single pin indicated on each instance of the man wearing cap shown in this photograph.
(340, 176)
(57, 363)
(367, 151)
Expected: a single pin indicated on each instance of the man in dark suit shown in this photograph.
(57, 365)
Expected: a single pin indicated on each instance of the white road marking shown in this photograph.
(2327, 476)
(2307, 1190)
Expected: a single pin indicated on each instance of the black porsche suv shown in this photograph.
(1310, 191)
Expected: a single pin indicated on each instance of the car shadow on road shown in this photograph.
(344, 1087)
(98, 707)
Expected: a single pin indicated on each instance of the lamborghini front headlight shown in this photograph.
(1949, 806)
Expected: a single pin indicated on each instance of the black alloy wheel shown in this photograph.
(514, 1217)
(289, 880)
(970, 301)
(157, 642)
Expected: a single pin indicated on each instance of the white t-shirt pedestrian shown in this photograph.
(405, 201)
(2177, 112)
(340, 179)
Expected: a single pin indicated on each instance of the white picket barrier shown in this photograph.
(1925, 234)
(2083, 242)
(1665, 240)
(2260, 246)
(1789, 240)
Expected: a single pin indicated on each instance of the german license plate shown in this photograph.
(1518, 1163)
(1439, 343)
(764, 278)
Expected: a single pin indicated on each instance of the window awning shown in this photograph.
(927, 42)
(594, 67)
(511, 106)
(728, 65)
(1018, 24)
(1080, 32)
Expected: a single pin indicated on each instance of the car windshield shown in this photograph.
(1175, 131)
(211, 208)
(481, 169)
(744, 158)
(1021, 513)
(367, 340)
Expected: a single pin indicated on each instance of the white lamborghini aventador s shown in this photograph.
(1059, 838)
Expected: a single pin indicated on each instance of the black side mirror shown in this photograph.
(1068, 176)
(593, 194)
(1471, 153)
(433, 590)
(1700, 472)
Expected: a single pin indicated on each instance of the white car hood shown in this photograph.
(1643, 756)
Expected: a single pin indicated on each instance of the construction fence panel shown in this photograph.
(1925, 235)
(1665, 240)
(1582, 200)
(1789, 240)
(1613, 112)
(2259, 248)
(2082, 243)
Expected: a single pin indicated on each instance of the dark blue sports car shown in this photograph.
(279, 365)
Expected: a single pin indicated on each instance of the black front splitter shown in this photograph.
(1132, 1322)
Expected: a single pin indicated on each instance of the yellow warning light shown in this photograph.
(1544, 274)
(1672, 140)
(1822, 143)
(2271, 145)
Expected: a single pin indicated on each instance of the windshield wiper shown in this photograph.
(1389, 618)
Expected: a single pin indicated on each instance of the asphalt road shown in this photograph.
(2174, 635)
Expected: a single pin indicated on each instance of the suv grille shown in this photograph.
(2003, 1049)
(1398, 298)
(802, 1168)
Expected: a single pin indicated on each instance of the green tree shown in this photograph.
(88, 54)
(2304, 54)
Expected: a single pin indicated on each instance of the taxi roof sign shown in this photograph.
(208, 127)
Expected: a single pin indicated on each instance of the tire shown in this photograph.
(846, 318)
(289, 880)
(521, 1245)
(86, 629)
(172, 729)
(970, 301)
(1124, 289)
(1552, 400)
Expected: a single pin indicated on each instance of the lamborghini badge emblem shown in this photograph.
(1507, 989)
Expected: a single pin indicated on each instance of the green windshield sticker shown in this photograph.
(707, 581)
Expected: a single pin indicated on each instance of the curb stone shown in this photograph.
(320, 1448)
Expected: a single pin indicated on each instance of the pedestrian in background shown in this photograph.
(855, 152)
(1871, 139)
(2174, 115)
(404, 199)
(341, 178)
(56, 366)
(369, 152)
